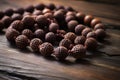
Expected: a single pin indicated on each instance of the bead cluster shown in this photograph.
(41, 26)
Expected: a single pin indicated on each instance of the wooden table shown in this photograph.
(104, 64)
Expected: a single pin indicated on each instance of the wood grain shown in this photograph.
(103, 64)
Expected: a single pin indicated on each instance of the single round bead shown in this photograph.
(46, 49)
(99, 26)
(50, 37)
(34, 44)
(7, 21)
(78, 51)
(16, 17)
(95, 21)
(79, 28)
(79, 40)
(91, 34)
(86, 31)
(58, 15)
(51, 6)
(21, 41)
(88, 19)
(40, 6)
(29, 8)
(91, 44)
(61, 53)
(53, 27)
(65, 42)
(9, 12)
(69, 18)
(80, 17)
(39, 33)
(70, 35)
(28, 33)
(72, 24)
(100, 33)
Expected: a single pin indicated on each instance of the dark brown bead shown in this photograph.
(51, 6)
(48, 15)
(16, 17)
(1, 25)
(100, 33)
(79, 28)
(9, 12)
(61, 53)
(78, 51)
(46, 10)
(80, 17)
(22, 41)
(65, 42)
(37, 12)
(29, 8)
(7, 21)
(46, 49)
(88, 19)
(70, 35)
(69, 18)
(91, 34)
(94, 22)
(72, 24)
(1, 14)
(50, 37)
(53, 27)
(19, 10)
(34, 44)
(11, 34)
(68, 8)
(59, 15)
(70, 13)
(18, 25)
(39, 33)
(28, 21)
(42, 20)
(79, 40)
(91, 44)
(28, 33)
(40, 6)
(99, 26)
(86, 31)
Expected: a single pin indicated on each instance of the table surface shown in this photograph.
(103, 64)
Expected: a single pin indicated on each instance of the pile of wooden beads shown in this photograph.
(41, 26)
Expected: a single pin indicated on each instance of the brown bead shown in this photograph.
(1, 25)
(1, 14)
(28, 21)
(78, 51)
(65, 42)
(9, 12)
(37, 12)
(27, 14)
(22, 41)
(59, 7)
(18, 25)
(46, 49)
(68, 8)
(39, 33)
(46, 10)
(61, 53)
(91, 44)
(70, 13)
(99, 26)
(80, 17)
(53, 27)
(34, 44)
(16, 17)
(95, 21)
(70, 35)
(42, 20)
(29, 8)
(86, 31)
(69, 18)
(11, 34)
(91, 34)
(28, 33)
(72, 24)
(7, 21)
(40, 6)
(19, 10)
(100, 33)
(51, 6)
(79, 28)
(58, 15)
(50, 37)
(79, 40)
(48, 15)
(88, 19)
